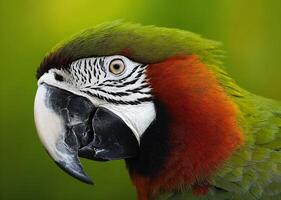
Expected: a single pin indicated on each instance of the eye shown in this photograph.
(116, 66)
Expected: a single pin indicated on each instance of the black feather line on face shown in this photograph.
(81, 71)
(120, 94)
(114, 101)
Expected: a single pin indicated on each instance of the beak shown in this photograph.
(70, 126)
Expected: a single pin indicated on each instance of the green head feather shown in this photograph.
(146, 44)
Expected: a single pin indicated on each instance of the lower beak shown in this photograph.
(70, 126)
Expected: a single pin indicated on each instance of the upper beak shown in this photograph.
(70, 126)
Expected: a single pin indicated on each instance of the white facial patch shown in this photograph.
(137, 117)
(127, 94)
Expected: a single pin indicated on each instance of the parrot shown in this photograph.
(160, 99)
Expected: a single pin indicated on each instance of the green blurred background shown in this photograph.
(250, 31)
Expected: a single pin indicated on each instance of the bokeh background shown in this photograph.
(250, 31)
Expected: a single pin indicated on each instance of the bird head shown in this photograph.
(97, 108)
(145, 94)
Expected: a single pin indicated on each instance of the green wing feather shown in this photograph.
(253, 172)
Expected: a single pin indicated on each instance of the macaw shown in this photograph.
(160, 99)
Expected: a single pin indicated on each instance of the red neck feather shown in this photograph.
(203, 130)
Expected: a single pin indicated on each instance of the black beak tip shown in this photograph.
(77, 173)
(85, 179)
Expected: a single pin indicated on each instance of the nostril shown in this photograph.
(58, 77)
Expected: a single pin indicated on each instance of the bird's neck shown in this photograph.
(197, 129)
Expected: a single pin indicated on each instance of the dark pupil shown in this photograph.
(116, 66)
